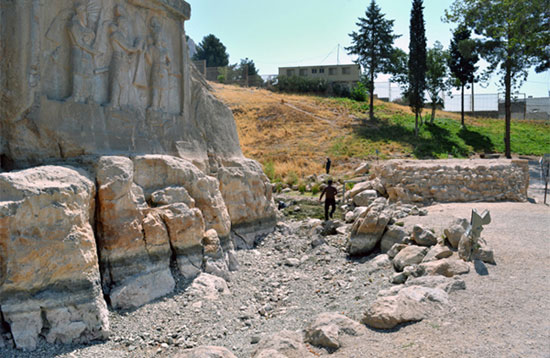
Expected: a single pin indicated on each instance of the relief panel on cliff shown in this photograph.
(120, 54)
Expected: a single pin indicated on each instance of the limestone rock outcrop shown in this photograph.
(49, 278)
(247, 193)
(156, 164)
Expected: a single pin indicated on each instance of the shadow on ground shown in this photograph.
(433, 141)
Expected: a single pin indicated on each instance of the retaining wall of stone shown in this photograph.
(454, 180)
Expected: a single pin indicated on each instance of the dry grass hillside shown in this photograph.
(293, 134)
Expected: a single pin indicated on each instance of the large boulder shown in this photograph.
(410, 255)
(407, 304)
(326, 329)
(447, 267)
(368, 229)
(394, 235)
(423, 237)
(390, 311)
(49, 282)
(447, 284)
(365, 198)
(284, 344)
(455, 231)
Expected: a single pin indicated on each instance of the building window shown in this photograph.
(332, 71)
(313, 70)
(321, 70)
(303, 72)
(289, 73)
(346, 71)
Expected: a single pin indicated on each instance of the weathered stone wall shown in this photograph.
(454, 180)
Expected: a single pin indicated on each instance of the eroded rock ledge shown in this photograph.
(146, 211)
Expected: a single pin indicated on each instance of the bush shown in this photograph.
(359, 92)
(291, 178)
(297, 84)
(302, 187)
(278, 187)
(339, 90)
(269, 170)
(349, 186)
(315, 188)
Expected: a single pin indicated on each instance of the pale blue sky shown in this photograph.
(278, 33)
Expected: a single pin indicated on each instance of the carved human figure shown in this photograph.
(158, 57)
(82, 52)
(123, 61)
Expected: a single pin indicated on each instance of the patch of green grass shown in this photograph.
(310, 210)
(446, 137)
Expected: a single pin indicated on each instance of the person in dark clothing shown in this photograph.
(327, 165)
(330, 199)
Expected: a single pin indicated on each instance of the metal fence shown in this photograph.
(483, 104)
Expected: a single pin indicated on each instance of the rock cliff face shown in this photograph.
(118, 168)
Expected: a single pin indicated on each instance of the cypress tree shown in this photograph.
(417, 61)
(461, 64)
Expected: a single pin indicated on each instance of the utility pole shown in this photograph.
(338, 55)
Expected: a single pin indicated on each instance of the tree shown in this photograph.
(462, 60)
(399, 68)
(250, 72)
(373, 44)
(436, 74)
(417, 61)
(213, 51)
(514, 36)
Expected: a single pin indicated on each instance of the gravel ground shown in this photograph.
(285, 282)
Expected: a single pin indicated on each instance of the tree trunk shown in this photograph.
(433, 112)
(508, 110)
(371, 90)
(462, 107)
(472, 110)
(416, 124)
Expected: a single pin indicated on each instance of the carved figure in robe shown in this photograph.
(158, 57)
(123, 62)
(82, 54)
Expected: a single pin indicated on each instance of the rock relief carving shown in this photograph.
(123, 54)
(126, 68)
(158, 58)
(83, 39)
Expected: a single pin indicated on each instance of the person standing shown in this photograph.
(330, 199)
(327, 165)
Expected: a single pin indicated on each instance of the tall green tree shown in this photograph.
(462, 60)
(213, 51)
(436, 75)
(373, 44)
(417, 61)
(514, 36)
